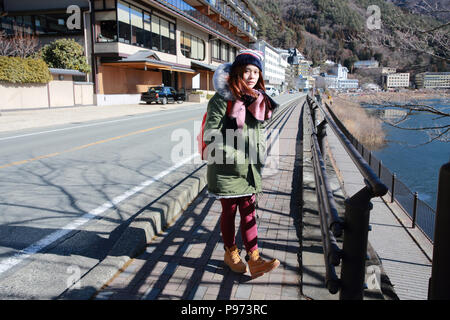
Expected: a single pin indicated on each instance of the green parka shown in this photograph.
(239, 172)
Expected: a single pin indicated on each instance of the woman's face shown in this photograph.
(251, 75)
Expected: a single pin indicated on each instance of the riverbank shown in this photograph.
(405, 96)
(367, 129)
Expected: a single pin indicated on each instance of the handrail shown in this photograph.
(377, 187)
(357, 211)
(330, 223)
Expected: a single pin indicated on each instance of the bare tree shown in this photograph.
(19, 45)
(400, 32)
(439, 131)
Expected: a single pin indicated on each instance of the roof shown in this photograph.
(149, 58)
(201, 65)
(66, 71)
(142, 55)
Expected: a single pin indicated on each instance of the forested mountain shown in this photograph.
(338, 30)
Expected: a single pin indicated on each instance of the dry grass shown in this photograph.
(364, 127)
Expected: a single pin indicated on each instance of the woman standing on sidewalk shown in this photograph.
(240, 105)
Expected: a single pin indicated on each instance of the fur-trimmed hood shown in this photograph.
(220, 81)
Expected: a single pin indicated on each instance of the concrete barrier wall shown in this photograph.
(54, 94)
(84, 94)
(113, 99)
(23, 96)
(61, 93)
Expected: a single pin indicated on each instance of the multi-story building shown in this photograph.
(338, 79)
(303, 68)
(274, 66)
(387, 70)
(366, 64)
(345, 84)
(433, 80)
(396, 80)
(134, 44)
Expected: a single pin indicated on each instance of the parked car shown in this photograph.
(291, 91)
(163, 95)
(271, 91)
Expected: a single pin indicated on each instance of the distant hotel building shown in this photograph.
(433, 80)
(134, 44)
(396, 80)
(274, 65)
(338, 79)
(366, 64)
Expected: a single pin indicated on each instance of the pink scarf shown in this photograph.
(260, 109)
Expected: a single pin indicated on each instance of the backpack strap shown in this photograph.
(229, 106)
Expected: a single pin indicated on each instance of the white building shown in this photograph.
(274, 64)
(433, 80)
(338, 79)
(348, 84)
(339, 71)
(366, 64)
(396, 80)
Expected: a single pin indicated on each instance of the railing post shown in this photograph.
(356, 229)
(416, 196)
(439, 288)
(393, 187)
(379, 169)
(321, 134)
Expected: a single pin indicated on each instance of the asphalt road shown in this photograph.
(67, 192)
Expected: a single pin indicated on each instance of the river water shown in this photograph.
(415, 162)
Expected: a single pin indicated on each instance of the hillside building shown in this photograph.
(366, 64)
(396, 80)
(433, 80)
(274, 65)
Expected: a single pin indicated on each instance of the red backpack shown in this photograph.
(201, 143)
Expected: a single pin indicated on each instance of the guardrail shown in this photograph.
(422, 214)
(355, 225)
(434, 224)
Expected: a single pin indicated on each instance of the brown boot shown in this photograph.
(233, 260)
(258, 266)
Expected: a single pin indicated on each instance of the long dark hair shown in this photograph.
(238, 86)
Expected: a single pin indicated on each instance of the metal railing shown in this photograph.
(434, 224)
(355, 225)
(422, 214)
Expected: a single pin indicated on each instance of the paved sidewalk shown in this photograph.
(406, 265)
(186, 261)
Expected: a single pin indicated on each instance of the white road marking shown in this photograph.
(48, 240)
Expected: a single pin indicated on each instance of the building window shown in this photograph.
(215, 49)
(224, 51)
(108, 26)
(192, 46)
(147, 30)
(123, 14)
(132, 25)
(163, 35)
(232, 54)
(137, 27)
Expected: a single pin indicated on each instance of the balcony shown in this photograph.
(211, 18)
(224, 14)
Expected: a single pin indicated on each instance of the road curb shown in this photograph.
(153, 219)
